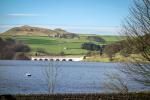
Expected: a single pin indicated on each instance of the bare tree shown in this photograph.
(137, 31)
(51, 73)
(116, 84)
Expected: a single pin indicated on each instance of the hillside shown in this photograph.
(55, 45)
(57, 41)
(34, 31)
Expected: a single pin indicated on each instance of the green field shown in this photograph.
(57, 45)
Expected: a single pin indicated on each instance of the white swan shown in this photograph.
(28, 74)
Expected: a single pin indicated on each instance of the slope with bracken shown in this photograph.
(35, 31)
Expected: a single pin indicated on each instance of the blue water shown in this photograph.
(68, 77)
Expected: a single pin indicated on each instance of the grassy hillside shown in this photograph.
(51, 45)
(57, 41)
(34, 31)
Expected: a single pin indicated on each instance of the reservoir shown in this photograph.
(38, 77)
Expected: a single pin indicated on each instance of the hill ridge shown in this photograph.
(34, 31)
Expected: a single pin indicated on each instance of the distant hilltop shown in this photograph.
(37, 31)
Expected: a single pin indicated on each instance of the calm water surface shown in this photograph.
(70, 77)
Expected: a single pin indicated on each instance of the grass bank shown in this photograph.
(116, 58)
(49, 45)
(112, 96)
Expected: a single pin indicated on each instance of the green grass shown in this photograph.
(112, 39)
(108, 38)
(57, 45)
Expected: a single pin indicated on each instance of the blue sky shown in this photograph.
(82, 16)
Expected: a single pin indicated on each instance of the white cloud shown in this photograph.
(24, 15)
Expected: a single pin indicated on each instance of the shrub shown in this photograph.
(112, 49)
(19, 47)
(21, 56)
(41, 50)
(62, 53)
(90, 46)
(9, 47)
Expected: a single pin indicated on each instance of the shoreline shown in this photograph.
(78, 96)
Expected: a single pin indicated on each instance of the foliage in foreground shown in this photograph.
(113, 96)
(11, 49)
(137, 30)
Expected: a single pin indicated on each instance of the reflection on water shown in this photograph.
(72, 77)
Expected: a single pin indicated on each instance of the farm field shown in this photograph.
(55, 46)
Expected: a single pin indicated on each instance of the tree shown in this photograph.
(62, 53)
(9, 48)
(20, 47)
(7, 54)
(102, 50)
(21, 56)
(90, 46)
(109, 52)
(116, 83)
(51, 73)
(112, 49)
(137, 30)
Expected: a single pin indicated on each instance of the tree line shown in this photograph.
(12, 49)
